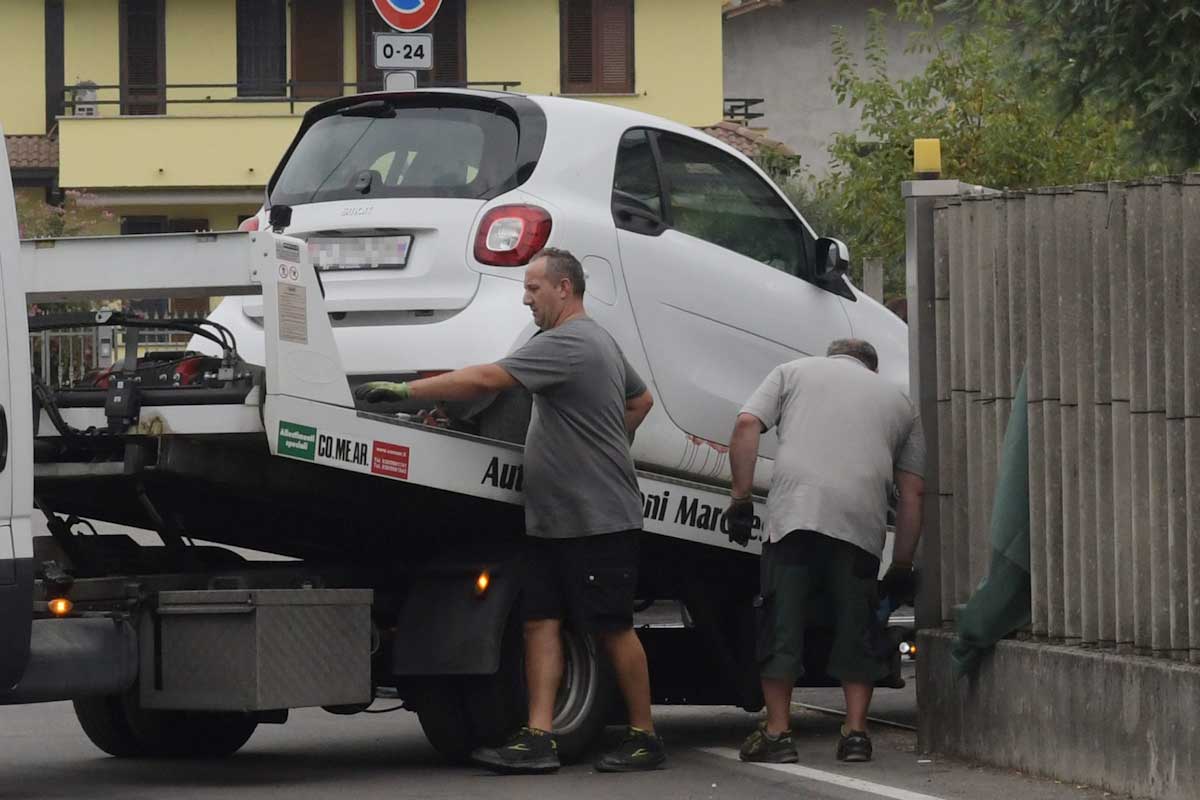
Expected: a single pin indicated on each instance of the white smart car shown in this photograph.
(422, 209)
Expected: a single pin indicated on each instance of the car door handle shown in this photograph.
(3, 439)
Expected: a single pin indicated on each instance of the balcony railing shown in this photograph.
(83, 99)
(738, 109)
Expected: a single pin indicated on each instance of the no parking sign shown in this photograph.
(407, 15)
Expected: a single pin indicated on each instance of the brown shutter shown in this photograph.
(614, 45)
(597, 46)
(449, 43)
(369, 23)
(142, 37)
(317, 48)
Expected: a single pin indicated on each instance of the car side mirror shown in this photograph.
(833, 257)
(632, 214)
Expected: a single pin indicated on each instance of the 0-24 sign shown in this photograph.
(403, 51)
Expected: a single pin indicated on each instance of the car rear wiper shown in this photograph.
(378, 109)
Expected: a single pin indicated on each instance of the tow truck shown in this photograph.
(404, 538)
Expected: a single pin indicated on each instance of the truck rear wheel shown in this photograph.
(459, 714)
(118, 725)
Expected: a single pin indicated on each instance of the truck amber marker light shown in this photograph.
(60, 606)
(482, 583)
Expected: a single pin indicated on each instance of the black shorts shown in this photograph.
(588, 581)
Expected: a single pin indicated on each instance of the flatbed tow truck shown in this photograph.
(405, 537)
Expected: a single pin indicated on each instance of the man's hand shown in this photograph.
(741, 520)
(382, 392)
(900, 584)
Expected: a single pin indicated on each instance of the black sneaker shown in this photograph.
(763, 747)
(854, 746)
(639, 750)
(528, 751)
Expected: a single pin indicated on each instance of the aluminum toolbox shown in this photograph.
(256, 649)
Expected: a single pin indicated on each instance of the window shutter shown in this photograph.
(142, 67)
(369, 23)
(614, 45)
(578, 63)
(597, 46)
(261, 48)
(317, 48)
(449, 58)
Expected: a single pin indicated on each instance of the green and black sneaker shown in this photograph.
(639, 750)
(528, 751)
(854, 746)
(763, 747)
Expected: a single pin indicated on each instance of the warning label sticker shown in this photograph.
(293, 313)
(390, 460)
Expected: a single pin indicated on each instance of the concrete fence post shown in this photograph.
(1071, 352)
(985, 225)
(873, 278)
(945, 417)
(1139, 408)
(919, 201)
(1175, 430)
(959, 347)
(1051, 441)
(1102, 418)
(1122, 473)
(1086, 366)
(1190, 227)
(1038, 575)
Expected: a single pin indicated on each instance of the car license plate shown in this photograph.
(360, 252)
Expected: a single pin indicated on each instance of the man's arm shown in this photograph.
(908, 517)
(743, 453)
(636, 409)
(467, 383)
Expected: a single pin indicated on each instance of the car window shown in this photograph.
(715, 197)
(636, 175)
(415, 152)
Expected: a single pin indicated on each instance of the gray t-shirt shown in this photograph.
(843, 432)
(579, 478)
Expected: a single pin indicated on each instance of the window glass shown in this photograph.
(419, 152)
(715, 197)
(636, 174)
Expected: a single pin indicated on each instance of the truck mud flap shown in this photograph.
(72, 658)
(448, 627)
(16, 616)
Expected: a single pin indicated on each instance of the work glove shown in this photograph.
(740, 518)
(382, 392)
(899, 584)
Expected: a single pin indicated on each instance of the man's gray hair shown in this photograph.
(858, 348)
(562, 264)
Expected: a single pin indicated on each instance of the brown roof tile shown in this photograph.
(749, 141)
(32, 152)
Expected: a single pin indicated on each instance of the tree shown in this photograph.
(37, 219)
(1132, 56)
(997, 129)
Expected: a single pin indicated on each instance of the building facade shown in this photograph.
(173, 113)
(780, 51)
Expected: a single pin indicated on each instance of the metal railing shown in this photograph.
(738, 109)
(80, 98)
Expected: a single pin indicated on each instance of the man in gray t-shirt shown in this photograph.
(583, 508)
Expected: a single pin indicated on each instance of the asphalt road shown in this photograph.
(43, 754)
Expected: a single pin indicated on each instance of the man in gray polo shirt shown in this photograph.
(583, 507)
(847, 438)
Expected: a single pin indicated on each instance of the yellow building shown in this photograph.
(173, 113)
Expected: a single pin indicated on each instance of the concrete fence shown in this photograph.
(1096, 291)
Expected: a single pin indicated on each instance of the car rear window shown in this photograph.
(373, 150)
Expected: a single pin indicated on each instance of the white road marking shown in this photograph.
(856, 784)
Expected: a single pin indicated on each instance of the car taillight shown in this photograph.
(249, 224)
(511, 235)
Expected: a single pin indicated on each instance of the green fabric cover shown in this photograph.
(1001, 603)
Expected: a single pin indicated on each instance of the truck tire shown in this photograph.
(441, 710)
(118, 725)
